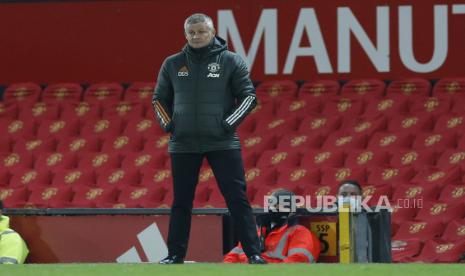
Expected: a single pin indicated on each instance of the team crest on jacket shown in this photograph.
(213, 68)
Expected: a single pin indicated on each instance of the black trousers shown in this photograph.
(228, 169)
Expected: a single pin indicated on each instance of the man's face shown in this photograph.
(199, 35)
(348, 190)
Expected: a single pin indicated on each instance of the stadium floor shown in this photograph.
(222, 269)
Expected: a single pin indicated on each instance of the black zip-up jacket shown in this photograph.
(201, 96)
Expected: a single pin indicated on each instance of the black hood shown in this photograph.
(216, 46)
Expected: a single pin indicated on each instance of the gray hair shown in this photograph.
(198, 18)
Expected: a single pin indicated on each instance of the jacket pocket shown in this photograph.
(182, 127)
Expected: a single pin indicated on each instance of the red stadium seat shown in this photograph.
(124, 110)
(6, 144)
(250, 159)
(246, 128)
(148, 128)
(409, 87)
(79, 144)
(298, 107)
(18, 129)
(450, 158)
(58, 128)
(388, 106)
(157, 144)
(202, 194)
(62, 92)
(301, 142)
(389, 141)
(117, 178)
(343, 106)
(461, 143)
(135, 197)
(83, 111)
(94, 161)
(440, 212)
(315, 191)
(55, 161)
(401, 213)
(411, 124)
(364, 158)
(15, 162)
(365, 126)
(123, 144)
(30, 179)
(449, 86)
(394, 176)
(455, 231)
(257, 177)
(258, 143)
(322, 159)
(437, 251)
(13, 197)
(298, 176)
(156, 177)
(39, 111)
(5, 177)
(215, 199)
(74, 178)
(436, 141)
(142, 160)
(262, 110)
(281, 158)
(403, 250)
(453, 193)
(22, 93)
(34, 146)
(367, 88)
(437, 176)
(410, 194)
(334, 176)
(277, 125)
(450, 123)
(431, 105)
(270, 90)
(102, 128)
(103, 93)
(323, 125)
(377, 195)
(87, 197)
(9, 111)
(206, 175)
(419, 230)
(49, 197)
(319, 89)
(140, 92)
(344, 139)
(459, 105)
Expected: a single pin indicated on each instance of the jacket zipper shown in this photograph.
(196, 117)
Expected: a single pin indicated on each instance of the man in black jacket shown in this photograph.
(203, 93)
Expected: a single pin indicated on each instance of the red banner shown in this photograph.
(115, 238)
(127, 41)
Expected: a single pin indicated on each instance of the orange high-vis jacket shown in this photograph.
(295, 244)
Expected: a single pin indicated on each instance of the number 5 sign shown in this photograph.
(326, 232)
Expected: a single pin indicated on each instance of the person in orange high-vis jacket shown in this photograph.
(282, 239)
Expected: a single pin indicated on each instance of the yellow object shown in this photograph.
(345, 250)
(13, 249)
